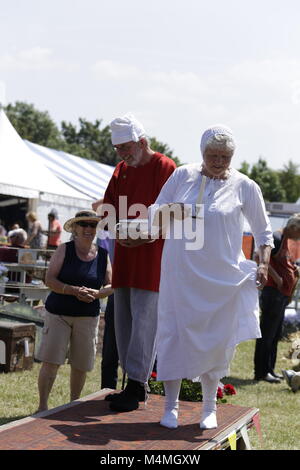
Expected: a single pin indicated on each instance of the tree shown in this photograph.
(163, 148)
(89, 141)
(33, 125)
(268, 180)
(245, 168)
(290, 181)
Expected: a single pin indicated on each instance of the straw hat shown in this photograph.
(81, 216)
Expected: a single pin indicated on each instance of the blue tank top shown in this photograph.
(76, 272)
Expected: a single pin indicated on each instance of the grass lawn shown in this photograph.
(279, 406)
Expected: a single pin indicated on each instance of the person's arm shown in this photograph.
(106, 290)
(255, 212)
(275, 276)
(59, 287)
(263, 253)
(35, 228)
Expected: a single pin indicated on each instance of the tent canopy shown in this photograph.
(87, 176)
(49, 177)
(24, 175)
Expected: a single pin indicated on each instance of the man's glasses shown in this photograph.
(124, 147)
(87, 224)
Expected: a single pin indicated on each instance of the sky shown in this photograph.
(178, 66)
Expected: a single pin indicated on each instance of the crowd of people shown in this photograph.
(185, 302)
(34, 236)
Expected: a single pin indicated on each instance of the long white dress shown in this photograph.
(208, 300)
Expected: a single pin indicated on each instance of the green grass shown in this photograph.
(278, 405)
(19, 391)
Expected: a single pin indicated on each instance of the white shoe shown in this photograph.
(169, 419)
(208, 420)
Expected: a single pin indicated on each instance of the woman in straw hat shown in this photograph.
(79, 275)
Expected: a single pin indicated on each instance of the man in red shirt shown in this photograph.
(136, 269)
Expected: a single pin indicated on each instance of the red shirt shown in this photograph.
(54, 238)
(138, 267)
(281, 262)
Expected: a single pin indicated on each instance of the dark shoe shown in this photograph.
(128, 400)
(112, 396)
(271, 379)
(141, 395)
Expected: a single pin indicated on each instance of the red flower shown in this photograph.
(219, 393)
(153, 375)
(229, 389)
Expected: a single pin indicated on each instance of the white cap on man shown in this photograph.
(126, 129)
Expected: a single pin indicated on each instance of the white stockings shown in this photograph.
(209, 408)
(172, 389)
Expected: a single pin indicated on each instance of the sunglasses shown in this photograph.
(87, 224)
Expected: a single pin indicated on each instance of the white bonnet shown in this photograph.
(212, 131)
(125, 129)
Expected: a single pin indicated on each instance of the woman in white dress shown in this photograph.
(208, 300)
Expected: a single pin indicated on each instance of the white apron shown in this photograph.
(208, 300)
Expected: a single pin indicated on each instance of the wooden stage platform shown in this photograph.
(89, 424)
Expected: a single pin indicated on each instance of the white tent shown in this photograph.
(87, 176)
(24, 175)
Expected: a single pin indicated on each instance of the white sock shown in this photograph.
(209, 409)
(172, 389)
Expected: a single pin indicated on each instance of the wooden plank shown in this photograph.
(221, 442)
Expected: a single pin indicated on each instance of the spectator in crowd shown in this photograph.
(276, 295)
(54, 230)
(78, 269)
(139, 177)
(9, 254)
(17, 239)
(208, 298)
(35, 231)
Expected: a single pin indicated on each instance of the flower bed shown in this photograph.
(191, 391)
